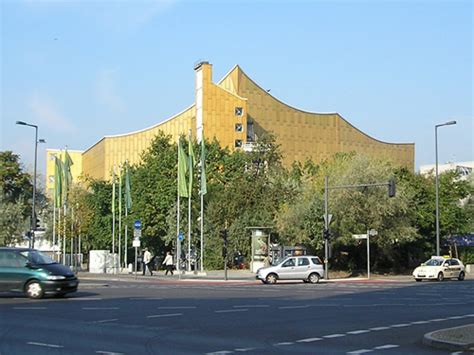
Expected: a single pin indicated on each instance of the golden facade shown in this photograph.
(237, 111)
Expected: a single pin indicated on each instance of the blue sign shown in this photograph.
(138, 224)
(180, 237)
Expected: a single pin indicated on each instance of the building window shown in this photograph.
(239, 111)
(238, 143)
(239, 127)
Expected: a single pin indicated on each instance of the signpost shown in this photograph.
(178, 251)
(137, 233)
(371, 232)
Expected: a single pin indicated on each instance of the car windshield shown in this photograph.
(434, 262)
(37, 258)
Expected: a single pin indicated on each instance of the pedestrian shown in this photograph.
(146, 262)
(168, 262)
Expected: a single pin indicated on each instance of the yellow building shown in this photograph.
(237, 111)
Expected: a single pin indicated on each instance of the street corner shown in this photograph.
(453, 339)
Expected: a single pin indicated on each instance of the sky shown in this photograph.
(81, 70)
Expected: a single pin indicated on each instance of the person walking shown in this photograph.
(168, 262)
(146, 262)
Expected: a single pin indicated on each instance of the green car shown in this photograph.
(34, 273)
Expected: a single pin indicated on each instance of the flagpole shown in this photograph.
(113, 219)
(202, 228)
(64, 234)
(54, 225)
(58, 254)
(120, 219)
(190, 159)
(178, 242)
(71, 262)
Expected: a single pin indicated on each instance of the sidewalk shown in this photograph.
(453, 339)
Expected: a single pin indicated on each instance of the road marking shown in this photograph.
(166, 315)
(145, 298)
(244, 349)
(178, 307)
(379, 328)
(330, 336)
(44, 344)
(231, 310)
(388, 346)
(361, 351)
(456, 317)
(98, 308)
(220, 352)
(105, 320)
(400, 325)
(108, 352)
(308, 340)
(30, 307)
(420, 322)
(293, 307)
(252, 306)
(437, 320)
(359, 331)
(285, 343)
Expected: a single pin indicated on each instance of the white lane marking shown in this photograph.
(98, 308)
(178, 307)
(30, 308)
(388, 346)
(400, 325)
(222, 352)
(145, 298)
(105, 320)
(437, 320)
(284, 343)
(420, 322)
(330, 336)
(308, 340)
(44, 344)
(166, 315)
(456, 317)
(389, 304)
(252, 306)
(379, 328)
(359, 331)
(293, 307)
(108, 352)
(231, 310)
(361, 351)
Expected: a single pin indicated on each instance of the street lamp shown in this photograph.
(437, 181)
(33, 212)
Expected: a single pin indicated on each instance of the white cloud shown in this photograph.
(48, 114)
(107, 91)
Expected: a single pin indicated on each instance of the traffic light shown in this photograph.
(326, 234)
(36, 225)
(223, 235)
(391, 188)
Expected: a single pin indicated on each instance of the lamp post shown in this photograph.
(33, 210)
(437, 180)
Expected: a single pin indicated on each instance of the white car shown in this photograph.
(305, 267)
(440, 268)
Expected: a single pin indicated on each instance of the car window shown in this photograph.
(37, 258)
(454, 262)
(434, 262)
(11, 259)
(289, 262)
(316, 261)
(303, 261)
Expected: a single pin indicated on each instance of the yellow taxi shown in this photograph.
(440, 268)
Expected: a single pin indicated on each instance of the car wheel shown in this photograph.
(271, 279)
(461, 276)
(313, 278)
(418, 280)
(33, 289)
(440, 276)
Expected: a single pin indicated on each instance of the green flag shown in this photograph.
(67, 175)
(182, 169)
(58, 181)
(191, 161)
(128, 196)
(203, 167)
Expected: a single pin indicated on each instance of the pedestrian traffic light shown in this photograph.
(391, 188)
(326, 234)
(36, 224)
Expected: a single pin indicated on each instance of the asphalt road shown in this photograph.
(160, 317)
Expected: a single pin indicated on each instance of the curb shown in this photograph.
(430, 339)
